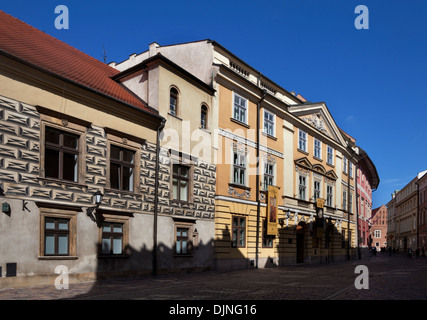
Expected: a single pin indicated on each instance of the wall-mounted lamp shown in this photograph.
(97, 197)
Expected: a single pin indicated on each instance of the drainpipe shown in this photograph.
(156, 196)
(257, 175)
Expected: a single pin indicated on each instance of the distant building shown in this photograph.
(378, 230)
(422, 213)
(391, 221)
(407, 213)
(367, 181)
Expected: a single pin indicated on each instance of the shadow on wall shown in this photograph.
(311, 242)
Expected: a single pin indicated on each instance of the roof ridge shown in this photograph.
(59, 41)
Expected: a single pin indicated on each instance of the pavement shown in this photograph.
(385, 277)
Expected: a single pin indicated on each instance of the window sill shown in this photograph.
(130, 193)
(180, 201)
(175, 116)
(57, 257)
(53, 180)
(239, 122)
(302, 151)
(118, 256)
(318, 159)
(269, 136)
(240, 186)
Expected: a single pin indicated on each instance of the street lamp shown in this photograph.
(97, 197)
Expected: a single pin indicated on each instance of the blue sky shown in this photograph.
(373, 81)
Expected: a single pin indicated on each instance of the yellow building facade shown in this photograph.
(263, 135)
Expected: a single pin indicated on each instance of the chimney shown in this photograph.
(152, 49)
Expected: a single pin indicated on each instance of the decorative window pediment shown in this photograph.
(304, 163)
(331, 175)
(319, 169)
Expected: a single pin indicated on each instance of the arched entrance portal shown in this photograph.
(300, 241)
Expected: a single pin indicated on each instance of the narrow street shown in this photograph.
(390, 278)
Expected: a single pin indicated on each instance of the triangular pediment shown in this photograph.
(317, 116)
(304, 163)
(331, 175)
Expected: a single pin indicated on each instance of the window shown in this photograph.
(302, 142)
(204, 117)
(180, 182)
(316, 190)
(268, 175)
(269, 123)
(173, 106)
(317, 149)
(344, 200)
(302, 187)
(61, 154)
(350, 165)
(112, 238)
(350, 203)
(345, 165)
(186, 238)
(239, 168)
(239, 232)
(57, 233)
(329, 195)
(182, 241)
(330, 156)
(121, 168)
(239, 108)
(56, 236)
(267, 240)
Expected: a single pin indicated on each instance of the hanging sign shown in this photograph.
(272, 211)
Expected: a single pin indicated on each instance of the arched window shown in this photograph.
(173, 109)
(204, 117)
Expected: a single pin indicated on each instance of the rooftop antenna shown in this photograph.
(105, 54)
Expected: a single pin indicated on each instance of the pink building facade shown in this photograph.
(367, 181)
(378, 230)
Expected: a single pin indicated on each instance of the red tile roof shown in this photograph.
(44, 51)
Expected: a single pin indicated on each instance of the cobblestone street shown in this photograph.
(390, 278)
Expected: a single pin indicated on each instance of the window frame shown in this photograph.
(191, 238)
(235, 243)
(115, 219)
(180, 178)
(300, 186)
(124, 142)
(269, 123)
(58, 213)
(317, 192)
(204, 110)
(317, 151)
(175, 110)
(121, 163)
(240, 167)
(179, 158)
(329, 195)
(268, 175)
(240, 109)
(66, 126)
(330, 155)
(302, 140)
